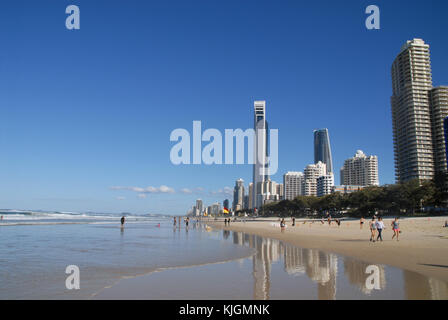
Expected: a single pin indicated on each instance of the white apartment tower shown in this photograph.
(411, 118)
(312, 172)
(361, 170)
(293, 183)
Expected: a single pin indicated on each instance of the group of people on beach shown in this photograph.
(377, 227)
(186, 221)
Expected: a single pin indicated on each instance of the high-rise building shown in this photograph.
(361, 170)
(439, 111)
(260, 169)
(322, 149)
(325, 185)
(251, 195)
(199, 207)
(311, 173)
(411, 116)
(280, 191)
(238, 195)
(215, 208)
(246, 202)
(293, 183)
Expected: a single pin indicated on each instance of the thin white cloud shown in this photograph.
(161, 189)
(226, 191)
(121, 198)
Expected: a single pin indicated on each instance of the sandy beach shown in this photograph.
(423, 245)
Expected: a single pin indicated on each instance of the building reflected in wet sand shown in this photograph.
(322, 268)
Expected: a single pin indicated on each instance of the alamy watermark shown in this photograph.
(189, 150)
(373, 278)
(73, 280)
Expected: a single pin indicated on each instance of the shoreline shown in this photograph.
(423, 245)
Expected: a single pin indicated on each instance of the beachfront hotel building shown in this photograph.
(411, 113)
(439, 111)
(322, 149)
(269, 191)
(260, 168)
(418, 112)
(361, 170)
(325, 185)
(293, 183)
(311, 173)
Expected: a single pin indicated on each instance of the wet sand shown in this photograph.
(423, 245)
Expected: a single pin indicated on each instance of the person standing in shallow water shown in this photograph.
(122, 220)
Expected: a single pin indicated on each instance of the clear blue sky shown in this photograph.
(83, 111)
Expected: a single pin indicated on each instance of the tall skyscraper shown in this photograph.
(322, 149)
(238, 195)
(293, 183)
(439, 111)
(361, 170)
(411, 115)
(260, 169)
(199, 207)
(251, 195)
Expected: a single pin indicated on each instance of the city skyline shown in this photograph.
(87, 123)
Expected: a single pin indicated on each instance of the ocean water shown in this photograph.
(36, 248)
(149, 259)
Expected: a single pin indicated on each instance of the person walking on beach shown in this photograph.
(372, 229)
(122, 220)
(329, 220)
(361, 223)
(175, 221)
(293, 221)
(380, 227)
(396, 228)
